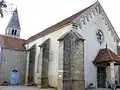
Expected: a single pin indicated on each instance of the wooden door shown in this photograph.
(101, 77)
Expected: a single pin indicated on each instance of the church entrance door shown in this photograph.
(101, 77)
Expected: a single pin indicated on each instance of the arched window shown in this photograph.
(12, 31)
(15, 32)
(14, 70)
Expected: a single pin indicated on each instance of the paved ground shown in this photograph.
(21, 88)
(100, 89)
(31, 88)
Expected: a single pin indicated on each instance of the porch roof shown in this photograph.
(105, 56)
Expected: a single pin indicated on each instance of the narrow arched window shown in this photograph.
(15, 32)
(12, 31)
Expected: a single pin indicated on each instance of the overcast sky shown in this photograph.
(36, 15)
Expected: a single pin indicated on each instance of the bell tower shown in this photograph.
(13, 29)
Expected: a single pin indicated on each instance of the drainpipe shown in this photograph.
(1, 58)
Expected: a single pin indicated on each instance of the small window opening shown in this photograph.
(12, 31)
(15, 32)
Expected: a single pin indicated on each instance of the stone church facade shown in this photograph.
(75, 52)
(70, 55)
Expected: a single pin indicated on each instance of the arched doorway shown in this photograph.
(14, 79)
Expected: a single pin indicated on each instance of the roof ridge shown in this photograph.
(109, 54)
(105, 56)
(109, 21)
(12, 43)
(61, 23)
(12, 37)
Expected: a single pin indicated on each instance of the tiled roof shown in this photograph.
(106, 55)
(62, 23)
(12, 43)
(56, 26)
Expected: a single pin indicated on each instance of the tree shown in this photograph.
(2, 5)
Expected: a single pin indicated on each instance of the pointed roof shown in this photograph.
(106, 55)
(59, 24)
(14, 21)
(68, 21)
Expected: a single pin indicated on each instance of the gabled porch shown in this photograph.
(107, 63)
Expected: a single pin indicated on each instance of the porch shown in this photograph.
(107, 63)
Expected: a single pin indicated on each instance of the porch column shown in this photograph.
(27, 68)
(112, 73)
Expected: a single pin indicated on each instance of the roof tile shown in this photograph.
(12, 43)
(56, 26)
(106, 55)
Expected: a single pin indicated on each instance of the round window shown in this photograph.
(100, 35)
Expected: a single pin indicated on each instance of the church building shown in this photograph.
(12, 52)
(78, 51)
(70, 55)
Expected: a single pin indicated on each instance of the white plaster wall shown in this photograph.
(12, 60)
(92, 46)
(54, 50)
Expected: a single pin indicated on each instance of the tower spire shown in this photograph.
(13, 28)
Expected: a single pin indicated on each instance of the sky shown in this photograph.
(37, 15)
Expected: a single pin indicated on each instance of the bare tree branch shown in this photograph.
(2, 5)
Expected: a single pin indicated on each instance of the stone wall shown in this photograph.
(73, 63)
(77, 66)
(12, 60)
